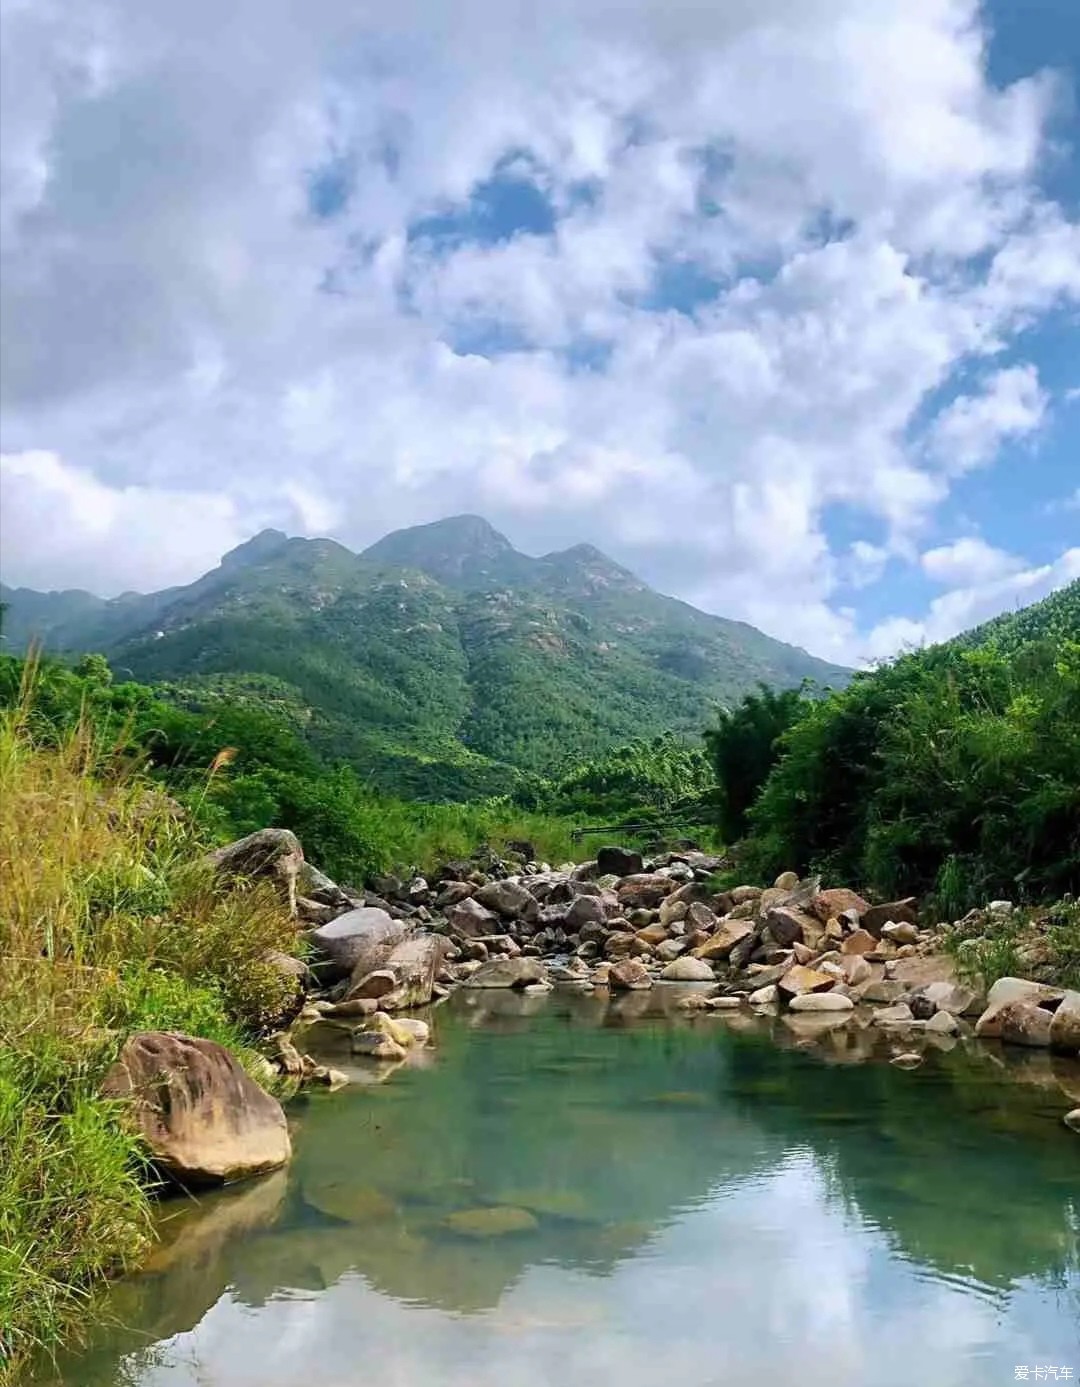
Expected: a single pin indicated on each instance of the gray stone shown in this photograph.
(687, 970)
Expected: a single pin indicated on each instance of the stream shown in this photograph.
(568, 1190)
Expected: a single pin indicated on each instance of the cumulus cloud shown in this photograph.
(968, 561)
(764, 243)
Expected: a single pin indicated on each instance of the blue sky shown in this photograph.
(775, 302)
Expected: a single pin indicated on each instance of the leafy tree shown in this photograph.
(744, 747)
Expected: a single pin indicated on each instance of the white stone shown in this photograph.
(822, 1001)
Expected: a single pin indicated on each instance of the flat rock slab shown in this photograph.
(204, 1121)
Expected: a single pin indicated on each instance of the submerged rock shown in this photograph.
(497, 1221)
(521, 971)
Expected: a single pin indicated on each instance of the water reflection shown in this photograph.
(569, 1191)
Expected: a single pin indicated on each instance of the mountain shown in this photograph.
(441, 661)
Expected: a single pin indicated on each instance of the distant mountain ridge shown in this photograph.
(440, 661)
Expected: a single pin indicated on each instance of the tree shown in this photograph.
(744, 748)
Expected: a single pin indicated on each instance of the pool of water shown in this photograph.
(571, 1191)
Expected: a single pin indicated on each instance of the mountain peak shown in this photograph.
(255, 549)
(459, 550)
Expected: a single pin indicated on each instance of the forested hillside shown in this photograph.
(954, 770)
(441, 663)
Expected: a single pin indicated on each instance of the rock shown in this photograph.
(645, 889)
(619, 943)
(822, 1001)
(909, 1059)
(349, 1201)
(882, 990)
(453, 893)
(856, 970)
(723, 1003)
(470, 919)
(922, 1008)
(495, 1222)
(620, 862)
(787, 925)
(407, 978)
(585, 910)
(1065, 1027)
(509, 899)
(699, 916)
(1022, 1023)
(797, 981)
(271, 853)
(950, 997)
(899, 1014)
(745, 895)
(1004, 993)
(764, 996)
(942, 1023)
(688, 970)
(672, 910)
(1072, 1120)
(355, 942)
(652, 935)
(728, 934)
(861, 941)
(836, 901)
(786, 881)
(628, 975)
(899, 912)
(697, 1001)
(359, 1006)
(376, 1045)
(508, 972)
(204, 1121)
(902, 933)
(406, 1031)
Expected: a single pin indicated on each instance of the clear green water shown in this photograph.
(704, 1206)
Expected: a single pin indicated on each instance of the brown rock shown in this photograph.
(905, 911)
(720, 944)
(469, 918)
(407, 978)
(861, 942)
(1065, 1027)
(629, 975)
(652, 935)
(272, 853)
(836, 901)
(203, 1119)
(1023, 1023)
(799, 980)
(644, 889)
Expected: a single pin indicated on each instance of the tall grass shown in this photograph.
(109, 923)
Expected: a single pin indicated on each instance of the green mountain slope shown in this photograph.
(441, 661)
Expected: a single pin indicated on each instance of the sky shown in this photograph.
(774, 301)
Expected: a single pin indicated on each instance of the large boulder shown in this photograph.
(407, 978)
(585, 910)
(1023, 1023)
(471, 919)
(274, 854)
(688, 970)
(788, 925)
(1007, 992)
(204, 1121)
(509, 899)
(619, 862)
(507, 972)
(354, 943)
(1065, 1027)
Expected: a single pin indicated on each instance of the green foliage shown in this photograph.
(744, 747)
(1023, 943)
(954, 771)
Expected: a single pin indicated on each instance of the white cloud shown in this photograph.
(969, 432)
(971, 604)
(968, 561)
(177, 324)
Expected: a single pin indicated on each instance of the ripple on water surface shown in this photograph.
(579, 1193)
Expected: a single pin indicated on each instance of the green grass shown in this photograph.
(1043, 944)
(110, 923)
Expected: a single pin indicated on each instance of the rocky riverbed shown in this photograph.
(861, 979)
